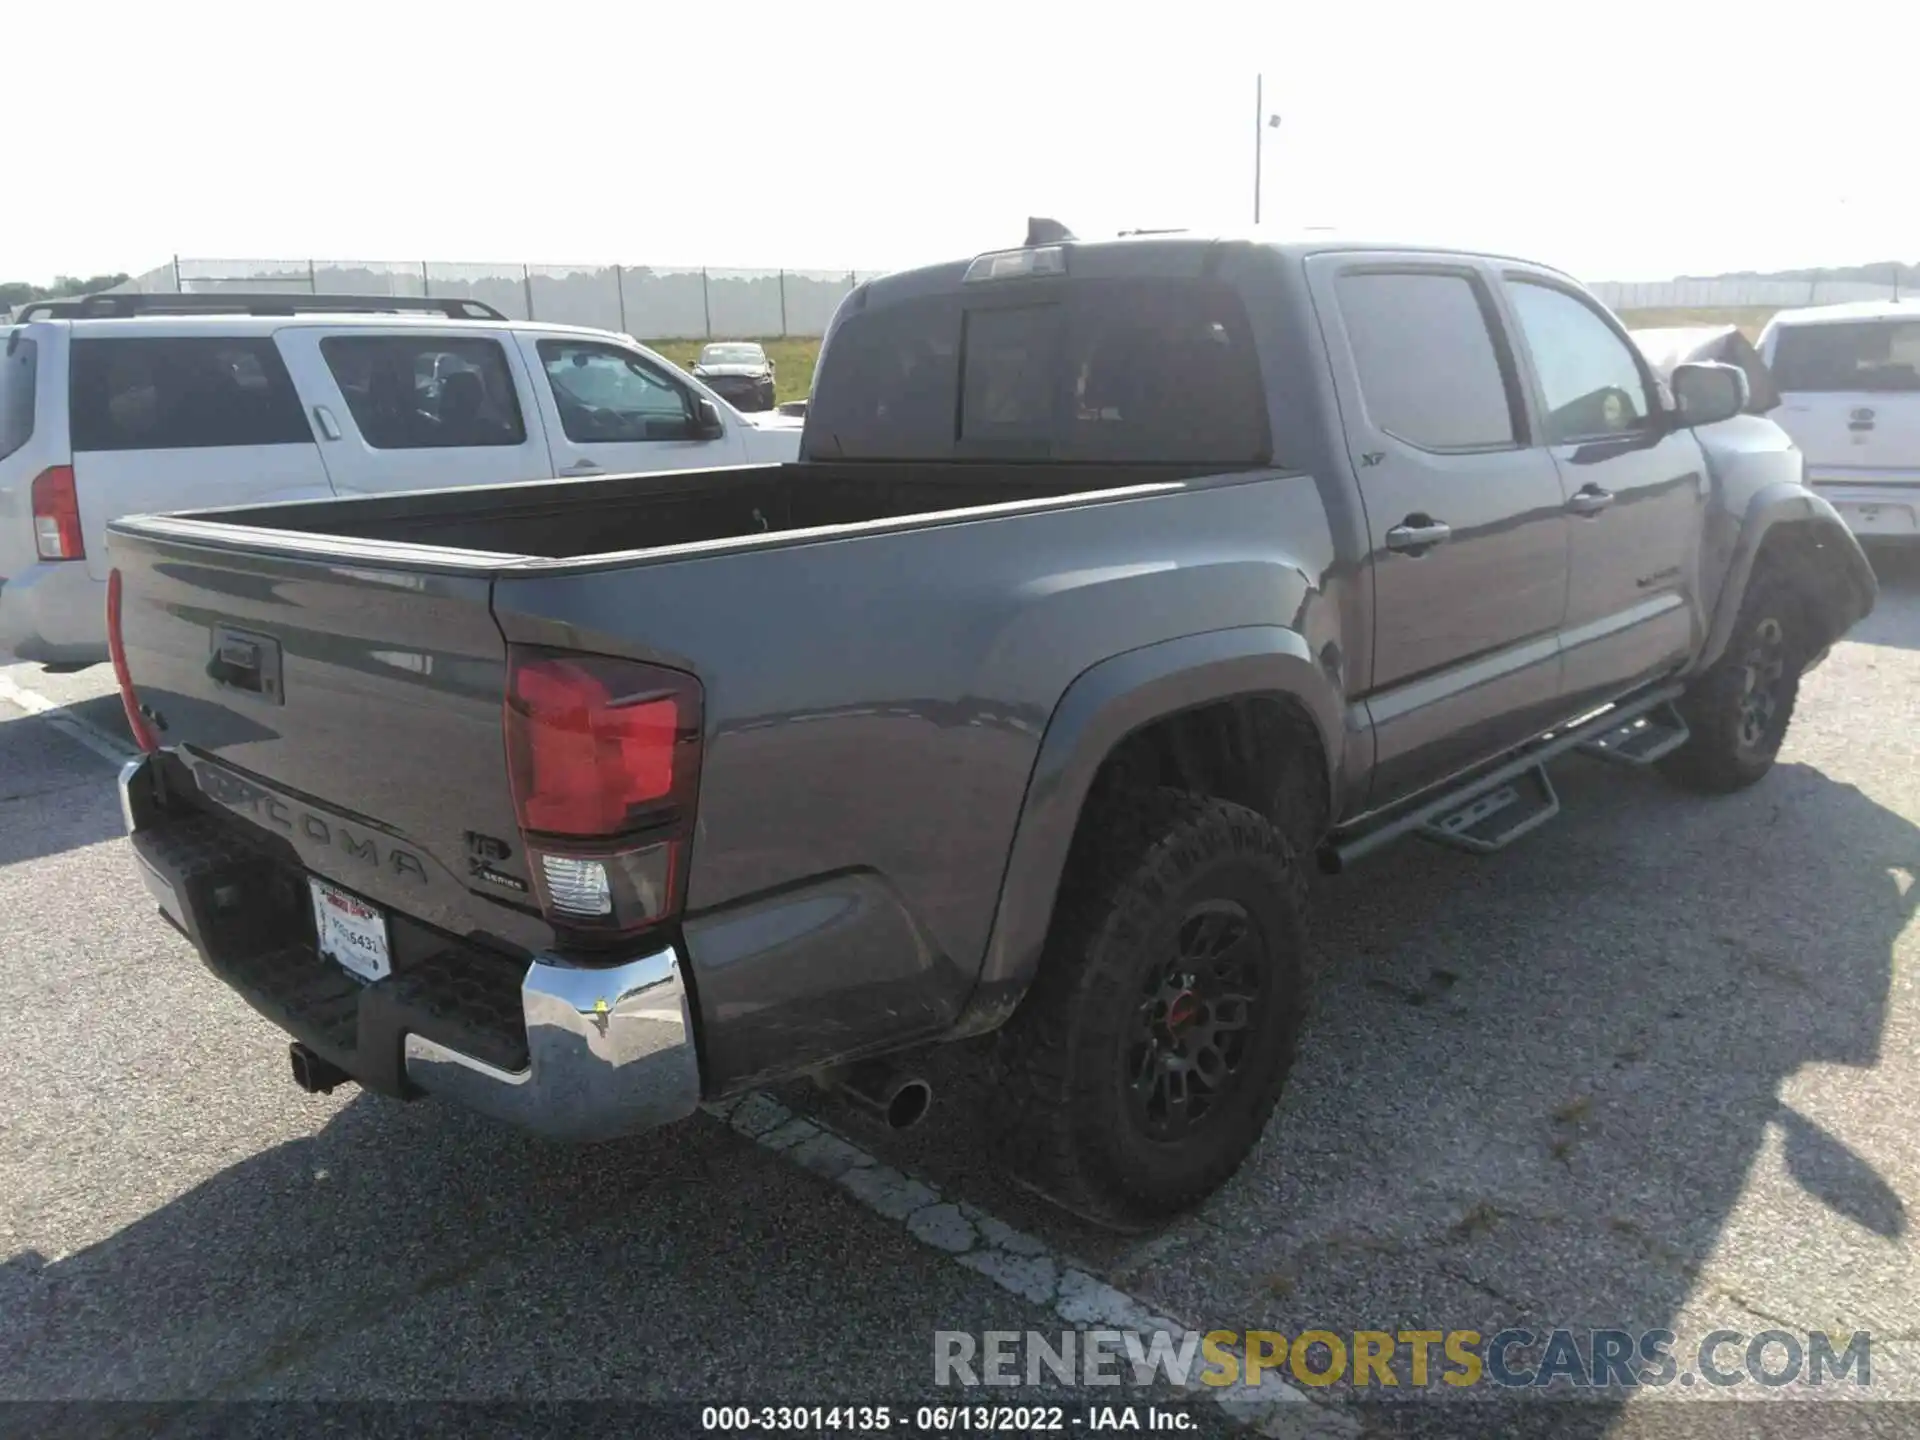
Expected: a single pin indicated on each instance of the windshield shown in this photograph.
(733, 355)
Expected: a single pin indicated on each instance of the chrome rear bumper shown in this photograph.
(610, 1050)
(610, 1053)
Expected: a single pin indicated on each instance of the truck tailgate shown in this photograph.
(354, 713)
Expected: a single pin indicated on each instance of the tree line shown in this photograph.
(18, 292)
(1880, 273)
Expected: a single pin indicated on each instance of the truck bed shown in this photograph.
(569, 519)
(328, 682)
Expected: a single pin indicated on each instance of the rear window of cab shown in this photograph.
(1140, 370)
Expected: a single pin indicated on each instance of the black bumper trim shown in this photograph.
(249, 916)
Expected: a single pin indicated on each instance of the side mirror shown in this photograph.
(1707, 392)
(707, 424)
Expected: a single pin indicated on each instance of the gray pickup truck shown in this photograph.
(1117, 583)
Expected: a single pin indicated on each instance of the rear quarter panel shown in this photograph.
(112, 483)
(874, 707)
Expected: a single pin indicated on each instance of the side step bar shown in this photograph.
(1641, 740)
(1492, 810)
(1494, 819)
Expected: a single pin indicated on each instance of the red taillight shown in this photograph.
(589, 740)
(117, 651)
(603, 755)
(56, 515)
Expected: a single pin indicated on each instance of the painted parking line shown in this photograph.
(107, 746)
(1017, 1262)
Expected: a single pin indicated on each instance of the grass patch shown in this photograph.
(792, 362)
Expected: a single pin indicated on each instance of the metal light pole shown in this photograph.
(1262, 122)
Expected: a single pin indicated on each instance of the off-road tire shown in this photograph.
(1728, 749)
(1141, 869)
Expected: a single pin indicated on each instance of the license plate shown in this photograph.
(1878, 519)
(351, 932)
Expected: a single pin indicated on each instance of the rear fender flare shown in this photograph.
(1845, 586)
(1107, 703)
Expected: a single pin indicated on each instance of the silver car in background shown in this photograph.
(738, 370)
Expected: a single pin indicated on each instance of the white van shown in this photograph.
(125, 404)
(1849, 378)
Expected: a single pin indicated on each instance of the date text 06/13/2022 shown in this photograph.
(944, 1419)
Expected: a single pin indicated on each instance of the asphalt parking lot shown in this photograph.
(1655, 1068)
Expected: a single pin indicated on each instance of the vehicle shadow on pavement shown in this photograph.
(60, 783)
(104, 713)
(1536, 1087)
(405, 1252)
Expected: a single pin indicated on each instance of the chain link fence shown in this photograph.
(1739, 292)
(699, 303)
(648, 301)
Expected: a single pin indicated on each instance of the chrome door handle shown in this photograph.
(581, 467)
(1590, 500)
(1418, 534)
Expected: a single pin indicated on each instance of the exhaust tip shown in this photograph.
(1328, 857)
(313, 1073)
(898, 1098)
(910, 1104)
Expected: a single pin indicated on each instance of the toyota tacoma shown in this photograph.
(1116, 583)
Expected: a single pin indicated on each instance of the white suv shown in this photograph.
(124, 404)
(1849, 378)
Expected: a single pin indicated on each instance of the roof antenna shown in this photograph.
(1042, 231)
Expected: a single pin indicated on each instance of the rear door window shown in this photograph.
(18, 386)
(1876, 356)
(182, 394)
(426, 392)
(1139, 370)
(1429, 370)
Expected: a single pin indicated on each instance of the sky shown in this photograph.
(1628, 140)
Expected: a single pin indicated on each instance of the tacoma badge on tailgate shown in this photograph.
(256, 800)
